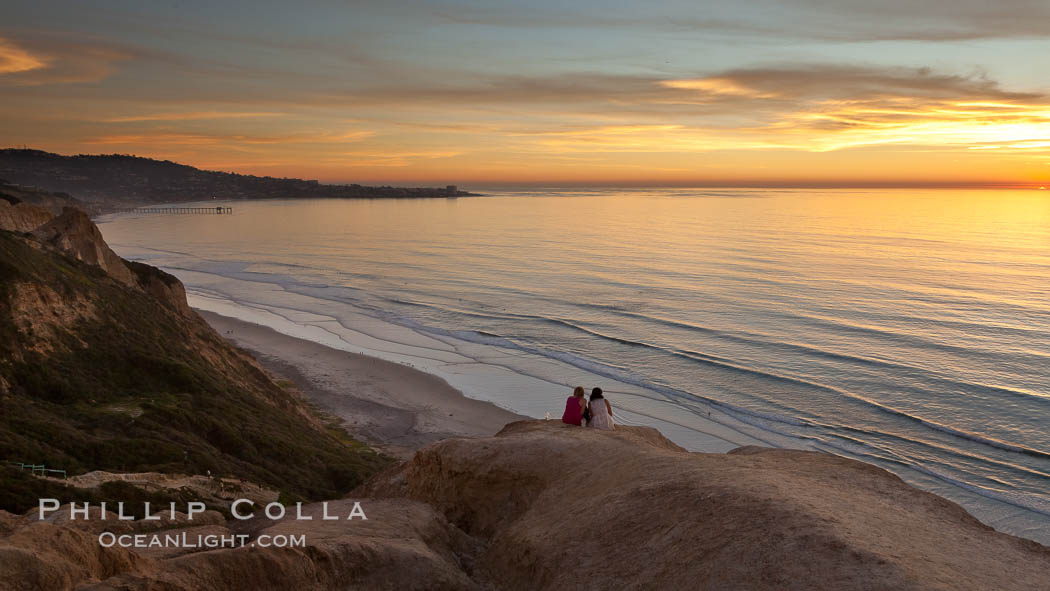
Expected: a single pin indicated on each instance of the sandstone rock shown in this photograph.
(402, 546)
(568, 508)
(22, 217)
(74, 234)
(41, 314)
(36, 555)
(163, 286)
(93, 523)
(545, 505)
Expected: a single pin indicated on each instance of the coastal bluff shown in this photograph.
(107, 182)
(543, 505)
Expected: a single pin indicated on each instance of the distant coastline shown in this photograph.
(114, 181)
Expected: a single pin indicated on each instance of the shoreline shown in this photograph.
(479, 371)
(398, 409)
(392, 407)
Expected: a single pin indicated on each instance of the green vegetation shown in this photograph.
(131, 387)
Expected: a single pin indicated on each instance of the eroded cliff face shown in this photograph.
(103, 366)
(163, 286)
(75, 235)
(22, 217)
(547, 506)
(42, 556)
(402, 545)
(561, 508)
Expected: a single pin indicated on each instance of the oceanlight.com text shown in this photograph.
(210, 541)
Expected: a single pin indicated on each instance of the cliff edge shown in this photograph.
(562, 507)
(543, 505)
(104, 367)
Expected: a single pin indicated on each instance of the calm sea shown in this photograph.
(909, 329)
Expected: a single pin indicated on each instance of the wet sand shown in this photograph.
(388, 405)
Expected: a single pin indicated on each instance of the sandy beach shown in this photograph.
(388, 405)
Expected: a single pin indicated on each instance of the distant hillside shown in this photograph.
(103, 366)
(117, 180)
(53, 202)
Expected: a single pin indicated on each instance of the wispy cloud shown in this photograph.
(556, 86)
(192, 116)
(57, 61)
(851, 81)
(841, 21)
(717, 86)
(813, 108)
(14, 59)
(389, 158)
(193, 139)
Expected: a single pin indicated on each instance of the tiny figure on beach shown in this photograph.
(574, 407)
(600, 411)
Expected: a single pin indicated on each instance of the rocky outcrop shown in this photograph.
(22, 217)
(74, 234)
(40, 311)
(402, 545)
(42, 556)
(163, 286)
(547, 506)
(95, 524)
(561, 507)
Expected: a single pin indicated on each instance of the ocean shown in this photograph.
(908, 329)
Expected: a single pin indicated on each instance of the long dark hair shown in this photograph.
(596, 394)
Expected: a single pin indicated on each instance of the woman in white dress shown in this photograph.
(601, 411)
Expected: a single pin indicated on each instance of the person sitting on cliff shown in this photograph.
(601, 411)
(574, 407)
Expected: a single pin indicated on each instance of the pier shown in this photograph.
(179, 210)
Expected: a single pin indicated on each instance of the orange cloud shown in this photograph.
(717, 86)
(57, 60)
(392, 158)
(191, 116)
(965, 124)
(14, 59)
(835, 122)
(151, 139)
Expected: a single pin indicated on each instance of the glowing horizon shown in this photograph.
(492, 93)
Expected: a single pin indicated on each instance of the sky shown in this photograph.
(663, 92)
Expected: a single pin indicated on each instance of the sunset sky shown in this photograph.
(789, 92)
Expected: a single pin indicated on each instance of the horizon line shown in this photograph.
(621, 184)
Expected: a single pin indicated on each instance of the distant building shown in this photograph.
(452, 189)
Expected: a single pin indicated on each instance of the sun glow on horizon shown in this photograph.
(592, 104)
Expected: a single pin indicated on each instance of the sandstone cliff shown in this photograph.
(22, 217)
(77, 236)
(567, 508)
(72, 233)
(547, 506)
(103, 366)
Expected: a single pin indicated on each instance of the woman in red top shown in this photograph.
(574, 407)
